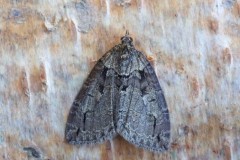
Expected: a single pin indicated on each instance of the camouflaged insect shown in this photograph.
(121, 96)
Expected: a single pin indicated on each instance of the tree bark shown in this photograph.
(47, 49)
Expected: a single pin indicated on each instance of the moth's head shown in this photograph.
(127, 40)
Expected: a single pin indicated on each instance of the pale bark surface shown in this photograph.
(47, 49)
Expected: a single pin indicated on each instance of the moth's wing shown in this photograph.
(90, 119)
(147, 123)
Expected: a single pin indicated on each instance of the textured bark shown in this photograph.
(47, 49)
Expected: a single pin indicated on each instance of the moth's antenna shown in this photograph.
(127, 33)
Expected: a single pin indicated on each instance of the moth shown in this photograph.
(121, 96)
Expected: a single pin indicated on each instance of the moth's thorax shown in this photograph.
(124, 58)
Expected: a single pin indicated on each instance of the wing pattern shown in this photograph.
(90, 118)
(121, 95)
